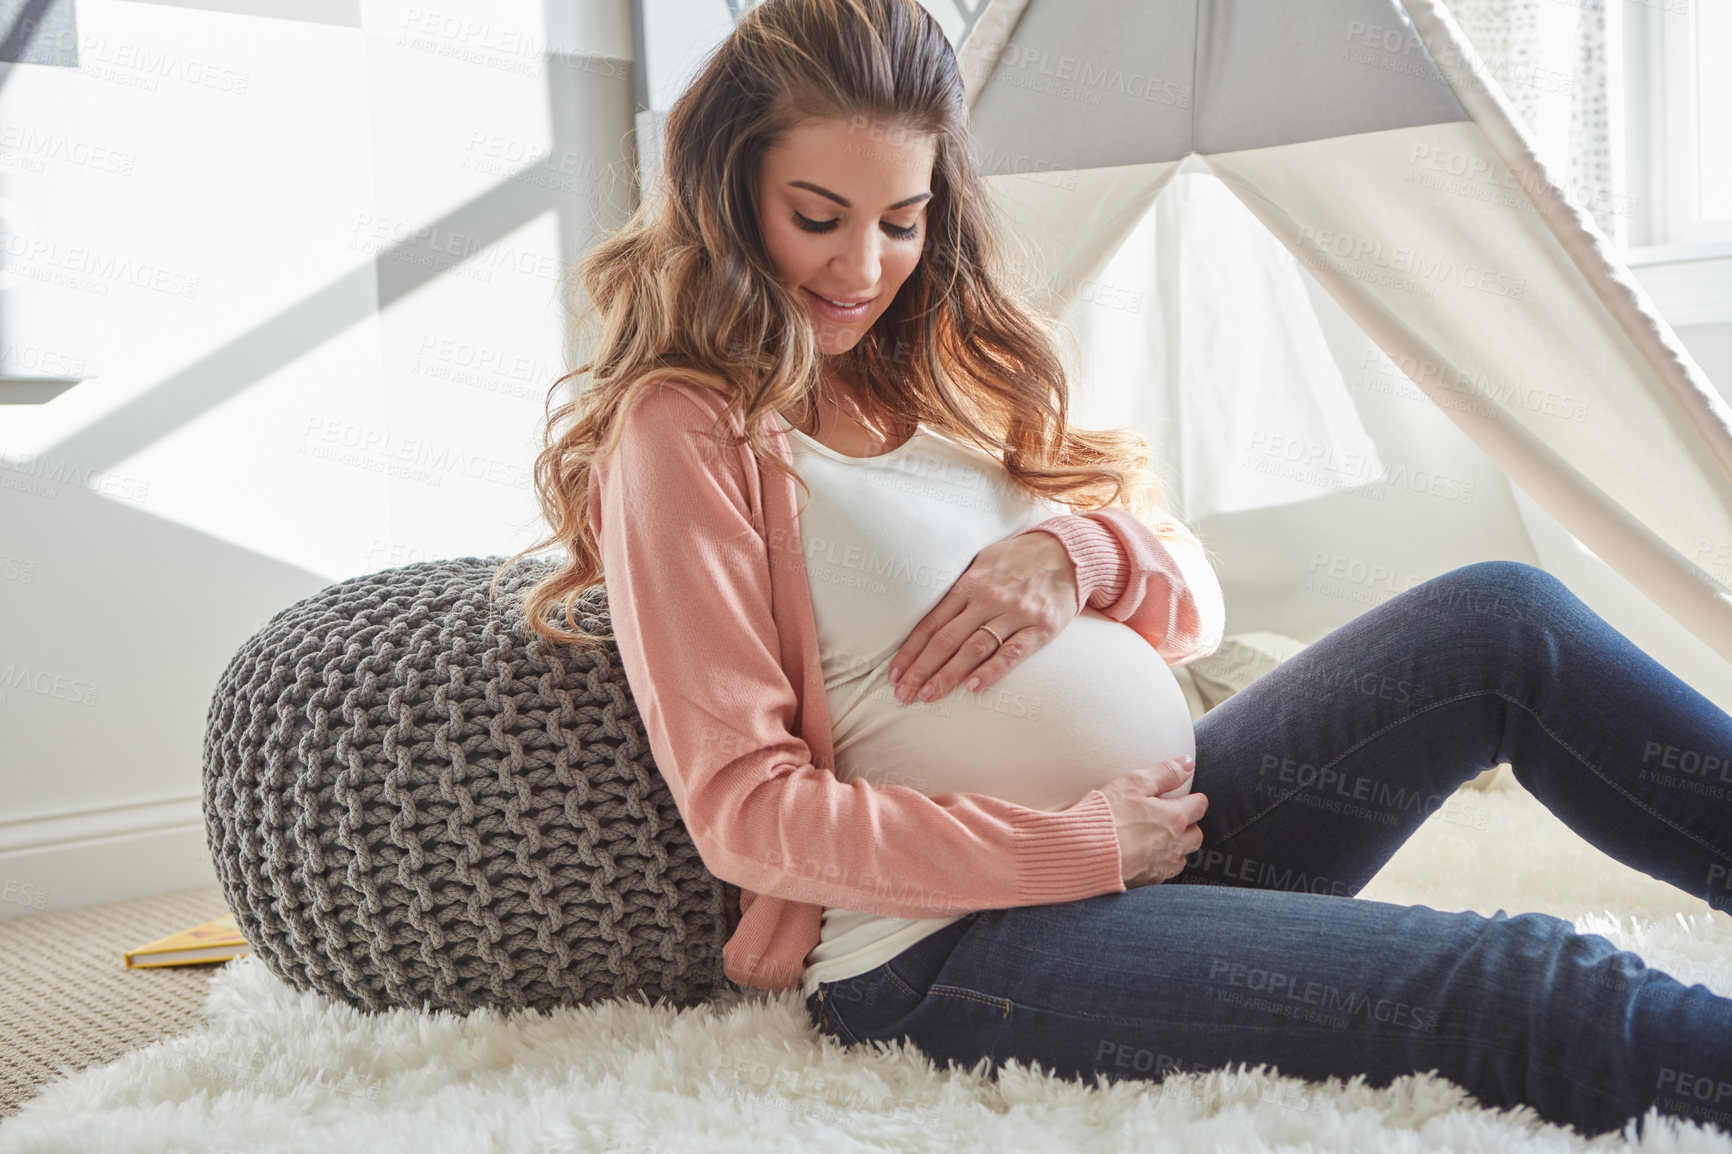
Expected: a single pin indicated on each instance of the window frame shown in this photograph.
(1686, 270)
(1672, 169)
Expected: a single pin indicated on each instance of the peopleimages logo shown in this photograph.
(1424, 268)
(40, 476)
(28, 253)
(1089, 75)
(72, 690)
(379, 449)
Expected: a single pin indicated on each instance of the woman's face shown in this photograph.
(842, 205)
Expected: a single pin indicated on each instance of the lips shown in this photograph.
(835, 311)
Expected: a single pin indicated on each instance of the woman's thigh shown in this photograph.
(1162, 978)
(1319, 771)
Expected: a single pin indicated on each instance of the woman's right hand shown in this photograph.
(1155, 834)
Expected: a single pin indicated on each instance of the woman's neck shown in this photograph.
(848, 421)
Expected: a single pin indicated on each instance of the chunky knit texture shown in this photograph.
(412, 800)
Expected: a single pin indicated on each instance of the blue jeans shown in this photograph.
(1316, 774)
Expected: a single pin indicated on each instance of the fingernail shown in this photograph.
(973, 683)
(931, 691)
(902, 693)
(895, 675)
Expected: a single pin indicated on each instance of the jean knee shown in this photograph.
(1508, 576)
(1497, 593)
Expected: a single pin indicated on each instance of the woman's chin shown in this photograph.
(833, 339)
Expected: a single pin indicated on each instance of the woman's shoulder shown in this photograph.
(676, 409)
(670, 397)
(676, 425)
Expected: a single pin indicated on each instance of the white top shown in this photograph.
(884, 538)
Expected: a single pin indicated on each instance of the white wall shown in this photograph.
(305, 256)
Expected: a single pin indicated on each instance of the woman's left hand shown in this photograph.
(1024, 587)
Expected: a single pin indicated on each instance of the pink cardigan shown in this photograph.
(708, 593)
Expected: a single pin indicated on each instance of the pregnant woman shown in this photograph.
(901, 636)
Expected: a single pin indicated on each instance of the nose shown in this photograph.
(858, 262)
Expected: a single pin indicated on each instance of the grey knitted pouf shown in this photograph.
(414, 801)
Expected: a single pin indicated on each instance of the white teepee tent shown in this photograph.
(1372, 147)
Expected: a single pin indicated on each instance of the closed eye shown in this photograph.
(808, 225)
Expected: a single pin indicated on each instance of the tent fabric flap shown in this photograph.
(1367, 138)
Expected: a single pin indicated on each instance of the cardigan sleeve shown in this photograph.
(1156, 579)
(688, 579)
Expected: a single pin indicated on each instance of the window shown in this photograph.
(1689, 118)
(1712, 40)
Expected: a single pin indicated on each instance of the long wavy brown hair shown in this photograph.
(686, 288)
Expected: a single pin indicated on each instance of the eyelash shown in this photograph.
(807, 225)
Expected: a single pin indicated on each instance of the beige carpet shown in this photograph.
(69, 1002)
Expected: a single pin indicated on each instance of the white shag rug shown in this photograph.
(277, 1070)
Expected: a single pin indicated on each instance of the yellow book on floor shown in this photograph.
(217, 940)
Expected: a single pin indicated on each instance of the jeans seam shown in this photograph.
(1356, 746)
(1002, 1005)
(837, 1025)
(1595, 770)
(895, 979)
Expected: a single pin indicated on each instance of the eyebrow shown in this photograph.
(821, 191)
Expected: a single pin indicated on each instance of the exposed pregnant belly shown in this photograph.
(1094, 703)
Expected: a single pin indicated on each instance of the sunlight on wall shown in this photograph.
(308, 261)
